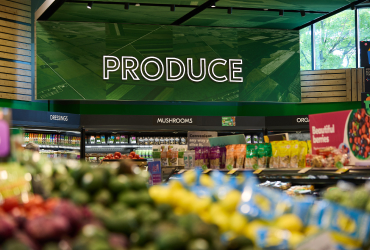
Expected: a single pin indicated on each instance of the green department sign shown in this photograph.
(97, 61)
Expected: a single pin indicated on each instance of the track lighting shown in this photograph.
(127, 6)
(213, 5)
(281, 12)
(89, 5)
(229, 10)
(172, 7)
(303, 13)
(353, 7)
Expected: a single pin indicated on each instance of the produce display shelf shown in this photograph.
(117, 146)
(111, 160)
(55, 147)
(360, 172)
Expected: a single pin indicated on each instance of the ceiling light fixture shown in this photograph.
(127, 6)
(265, 9)
(303, 13)
(89, 5)
(281, 12)
(137, 4)
(353, 7)
(172, 7)
(213, 5)
(230, 10)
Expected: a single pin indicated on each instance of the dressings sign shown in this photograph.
(347, 131)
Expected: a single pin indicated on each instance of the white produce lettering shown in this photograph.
(320, 133)
(129, 66)
(175, 120)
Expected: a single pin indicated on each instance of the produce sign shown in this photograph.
(346, 130)
(166, 63)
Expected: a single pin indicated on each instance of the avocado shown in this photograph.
(143, 209)
(165, 210)
(92, 181)
(119, 208)
(104, 197)
(58, 180)
(130, 198)
(118, 184)
(187, 221)
(150, 218)
(80, 197)
(173, 240)
(198, 244)
(144, 197)
(92, 231)
(78, 172)
(138, 182)
(238, 243)
(98, 210)
(144, 235)
(125, 223)
(67, 190)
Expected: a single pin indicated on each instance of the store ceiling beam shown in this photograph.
(197, 9)
(348, 6)
(51, 10)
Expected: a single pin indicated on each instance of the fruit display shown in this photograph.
(358, 133)
(328, 157)
(43, 224)
(118, 210)
(119, 156)
(270, 218)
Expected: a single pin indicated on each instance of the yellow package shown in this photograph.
(284, 153)
(302, 154)
(274, 160)
(294, 152)
(309, 147)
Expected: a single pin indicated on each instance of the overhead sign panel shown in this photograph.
(97, 61)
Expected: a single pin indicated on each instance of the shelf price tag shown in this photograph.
(207, 171)
(342, 170)
(232, 171)
(304, 170)
(258, 171)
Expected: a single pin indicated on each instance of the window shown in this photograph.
(335, 45)
(364, 24)
(305, 48)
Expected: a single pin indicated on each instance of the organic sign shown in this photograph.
(110, 61)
